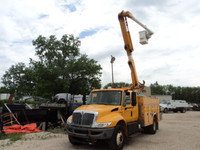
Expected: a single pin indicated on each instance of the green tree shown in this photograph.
(61, 67)
(51, 71)
(17, 80)
(45, 79)
(157, 89)
(190, 94)
(84, 75)
(3, 89)
(117, 84)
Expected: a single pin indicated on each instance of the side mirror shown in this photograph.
(134, 102)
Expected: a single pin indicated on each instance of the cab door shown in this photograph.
(129, 112)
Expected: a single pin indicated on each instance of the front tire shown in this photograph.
(118, 138)
(72, 140)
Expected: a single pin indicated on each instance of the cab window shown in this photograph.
(127, 99)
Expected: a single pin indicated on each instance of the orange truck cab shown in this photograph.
(112, 115)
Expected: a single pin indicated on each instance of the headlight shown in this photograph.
(69, 122)
(102, 125)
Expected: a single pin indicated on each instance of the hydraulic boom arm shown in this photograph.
(129, 46)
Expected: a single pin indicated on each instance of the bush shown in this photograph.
(28, 102)
(3, 101)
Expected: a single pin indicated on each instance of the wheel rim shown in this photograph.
(119, 138)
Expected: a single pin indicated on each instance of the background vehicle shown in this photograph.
(71, 101)
(174, 105)
(114, 114)
(63, 98)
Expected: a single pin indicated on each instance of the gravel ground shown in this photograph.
(178, 131)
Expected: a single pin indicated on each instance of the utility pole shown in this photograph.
(112, 61)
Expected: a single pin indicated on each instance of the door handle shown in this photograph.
(128, 108)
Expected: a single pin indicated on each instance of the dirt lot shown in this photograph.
(177, 132)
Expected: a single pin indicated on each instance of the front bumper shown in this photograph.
(90, 133)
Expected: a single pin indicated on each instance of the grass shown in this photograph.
(12, 137)
(57, 130)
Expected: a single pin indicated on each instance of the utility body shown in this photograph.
(113, 114)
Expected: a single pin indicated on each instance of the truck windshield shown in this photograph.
(105, 97)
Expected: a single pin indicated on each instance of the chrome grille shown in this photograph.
(76, 118)
(87, 119)
(82, 118)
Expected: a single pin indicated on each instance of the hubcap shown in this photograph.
(119, 138)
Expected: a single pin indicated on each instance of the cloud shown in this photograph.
(171, 57)
(90, 32)
(42, 16)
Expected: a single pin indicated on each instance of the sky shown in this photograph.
(172, 55)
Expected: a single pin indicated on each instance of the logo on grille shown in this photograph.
(82, 113)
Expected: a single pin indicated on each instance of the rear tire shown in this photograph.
(146, 130)
(153, 127)
(61, 101)
(165, 110)
(118, 138)
(183, 110)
